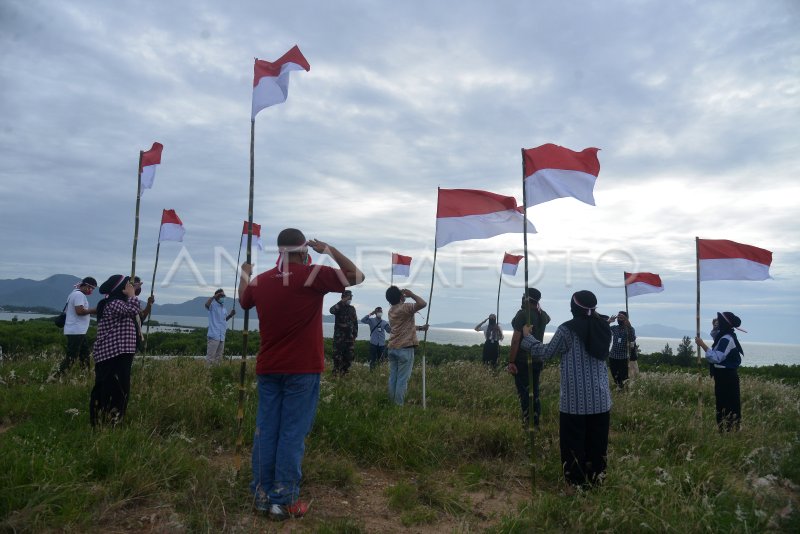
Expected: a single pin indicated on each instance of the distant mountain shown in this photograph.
(50, 293)
(660, 330)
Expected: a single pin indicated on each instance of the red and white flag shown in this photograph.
(552, 172)
(721, 259)
(642, 283)
(510, 263)
(171, 227)
(271, 80)
(472, 214)
(401, 265)
(150, 160)
(256, 236)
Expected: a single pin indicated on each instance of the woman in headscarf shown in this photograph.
(493, 335)
(585, 399)
(724, 358)
(113, 350)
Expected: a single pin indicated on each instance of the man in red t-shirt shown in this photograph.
(288, 299)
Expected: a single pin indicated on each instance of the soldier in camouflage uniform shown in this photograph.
(345, 331)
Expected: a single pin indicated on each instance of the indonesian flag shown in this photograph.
(472, 214)
(150, 160)
(171, 227)
(256, 235)
(510, 263)
(552, 172)
(401, 265)
(642, 283)
(271, 80)
(721, 259)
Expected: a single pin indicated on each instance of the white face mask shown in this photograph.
(379, 315)
(348, 301)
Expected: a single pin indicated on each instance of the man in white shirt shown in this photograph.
(77, 324)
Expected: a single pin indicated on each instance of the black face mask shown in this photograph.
(138, 291)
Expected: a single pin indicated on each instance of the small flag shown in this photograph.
(642, 283)
(256, 236)
(510, 263)
(721, 259)
(171, 227)
(401, 265)
(552, 172)
(150, 160)
(271, 80)
(472, 214)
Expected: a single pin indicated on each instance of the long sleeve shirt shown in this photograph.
(378, 328)
(620, 338)
(116, 332)
(584, 379)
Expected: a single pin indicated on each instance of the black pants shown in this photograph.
(491, 351)
(112, 388)
(77, 348)
(729, 401)
(584, 446)
(375, 355)
(343, 355)
(521, 381)
(619, 371)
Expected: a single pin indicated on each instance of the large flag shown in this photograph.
(171, 227)
(642, 283)
(150, 160)
(472, 214)
(271, 80)
(552, 171)
(721, 259)
(510, 263)
(256, 235)
(401, 265)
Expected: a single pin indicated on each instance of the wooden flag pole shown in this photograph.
(697, 319)
(152, 289)
(531, 405)
(246, 320)
(430, 302)
(235, 294)
(136, 219)
(391, 271)
(627, 325)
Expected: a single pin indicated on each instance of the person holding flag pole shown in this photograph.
(721, 259)
(270, 87)
(550, 172)
(171, 229)
(638, 284)
(243, 243)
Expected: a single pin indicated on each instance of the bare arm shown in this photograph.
(352, 273)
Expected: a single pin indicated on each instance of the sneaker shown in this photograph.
(281, 512)
(261, 507)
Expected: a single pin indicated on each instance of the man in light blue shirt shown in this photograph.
(217, 325)
(378, 328)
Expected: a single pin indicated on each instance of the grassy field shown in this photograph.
(459, 466)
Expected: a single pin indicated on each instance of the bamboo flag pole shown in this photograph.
(235, 293)
(531, 406)
(627, 325)
(391, 270)
(430, 302)
(697, 318)
(152, 289)
(136, 219)
(246, 320)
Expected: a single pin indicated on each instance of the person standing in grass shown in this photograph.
(403, 341)
(623, 338)
(218, 318)
(378, 328)
(725, 357)
(345, 331)
(518, 365)
(113, 350)
(493, 335)
(585, 398)
(288, 299)
(77, 324)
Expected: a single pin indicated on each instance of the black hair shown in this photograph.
(291, 237)
(393, 295)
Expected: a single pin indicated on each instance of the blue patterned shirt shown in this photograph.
(584, 379)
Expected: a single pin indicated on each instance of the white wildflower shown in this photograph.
(740, 515)
(74, 412)
(689, 456)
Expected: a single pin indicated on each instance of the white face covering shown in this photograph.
(379, 315)
(348, 301)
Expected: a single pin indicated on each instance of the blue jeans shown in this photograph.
(400, 363)
(287, 405)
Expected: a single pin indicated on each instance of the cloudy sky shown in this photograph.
(694, 105)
